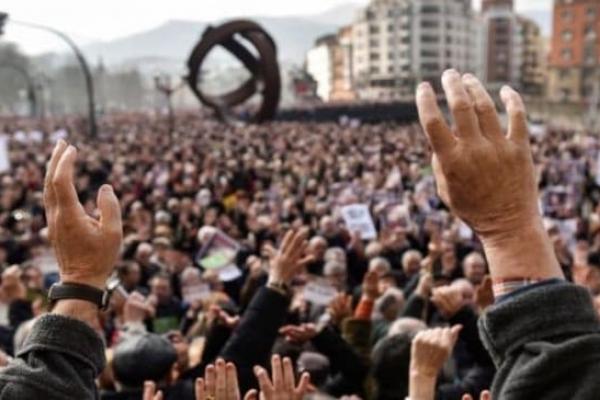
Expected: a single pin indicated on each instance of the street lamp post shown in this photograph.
(163, 84)
(31, 97)
(89, 83)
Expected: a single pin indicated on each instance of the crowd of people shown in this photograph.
(239, 268)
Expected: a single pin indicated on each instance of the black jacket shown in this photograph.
(545, 342)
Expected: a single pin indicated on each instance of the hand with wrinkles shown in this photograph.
(487, 177)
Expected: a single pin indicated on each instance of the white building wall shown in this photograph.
(319, 64)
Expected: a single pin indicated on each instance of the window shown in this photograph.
(591, 13)
(567, 15)
(567, 35)
(430, 39)
(430, 10)
(566, 54)
(374, 57)
(429, 53)
(564, 73)
(430, 24)
(374, 70)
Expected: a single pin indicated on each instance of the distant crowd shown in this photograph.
(205, 208)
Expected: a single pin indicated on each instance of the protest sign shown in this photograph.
(195, 292)
(4, 155)
(219, 254)
(358, 219)
(319, 292)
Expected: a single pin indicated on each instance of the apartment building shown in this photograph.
(574, 62)
(398, 43)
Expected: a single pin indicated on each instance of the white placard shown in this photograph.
(4, 156)
(358, 219)
(192, 293)
(319, 292)
(229, 273)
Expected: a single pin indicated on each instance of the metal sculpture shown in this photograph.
(265, 79)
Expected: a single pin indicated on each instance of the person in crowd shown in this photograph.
(229, 225)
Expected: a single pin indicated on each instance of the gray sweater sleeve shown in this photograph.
(546, 344)
(60, 360)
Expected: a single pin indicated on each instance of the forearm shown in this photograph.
(523, 254)
(421, 386)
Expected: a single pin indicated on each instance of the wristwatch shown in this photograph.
(281, 288)
(78, 291)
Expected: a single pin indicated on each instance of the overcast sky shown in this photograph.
(89, 20)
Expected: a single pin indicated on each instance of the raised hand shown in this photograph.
(485, 395)
(282, 386)
(290, 258)
(299, 333)
(448, 300)
(137, 309)
(220, 383)
(340, 308)
(150, 392)
(86, 248)
(430, 350)
(486, 177)
(370, 286)
(12, 286)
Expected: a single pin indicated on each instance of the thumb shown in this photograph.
(455, 331)
(251, 395)
(110, 210)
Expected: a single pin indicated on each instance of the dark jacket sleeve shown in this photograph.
(351, 368)
(545, 342)
(60, 360)
(252, 341)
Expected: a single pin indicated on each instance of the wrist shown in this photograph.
(423, 373)
(77, 309)
(422, 385)
(99, 282)
(524, 253)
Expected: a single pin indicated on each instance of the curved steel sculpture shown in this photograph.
(265, 79)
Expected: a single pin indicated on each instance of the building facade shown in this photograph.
(320, 65)
(533, 69)
(503, 43)
(574, 61)
(343, 83)
(398, 43)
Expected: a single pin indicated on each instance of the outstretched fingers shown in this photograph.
(436, 129)
(489, 123)
(63, 184)
(110, 211)
(461, 106)
(49, 195)
(518, 130)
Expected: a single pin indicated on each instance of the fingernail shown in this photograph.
(106, 188)
(450, 71)
(469, 76)
(424, 86)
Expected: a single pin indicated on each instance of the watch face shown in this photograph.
(113, 284)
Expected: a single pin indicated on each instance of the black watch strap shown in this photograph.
(77, 291)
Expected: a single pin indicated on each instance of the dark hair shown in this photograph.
(593, 259)
(391, 364)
